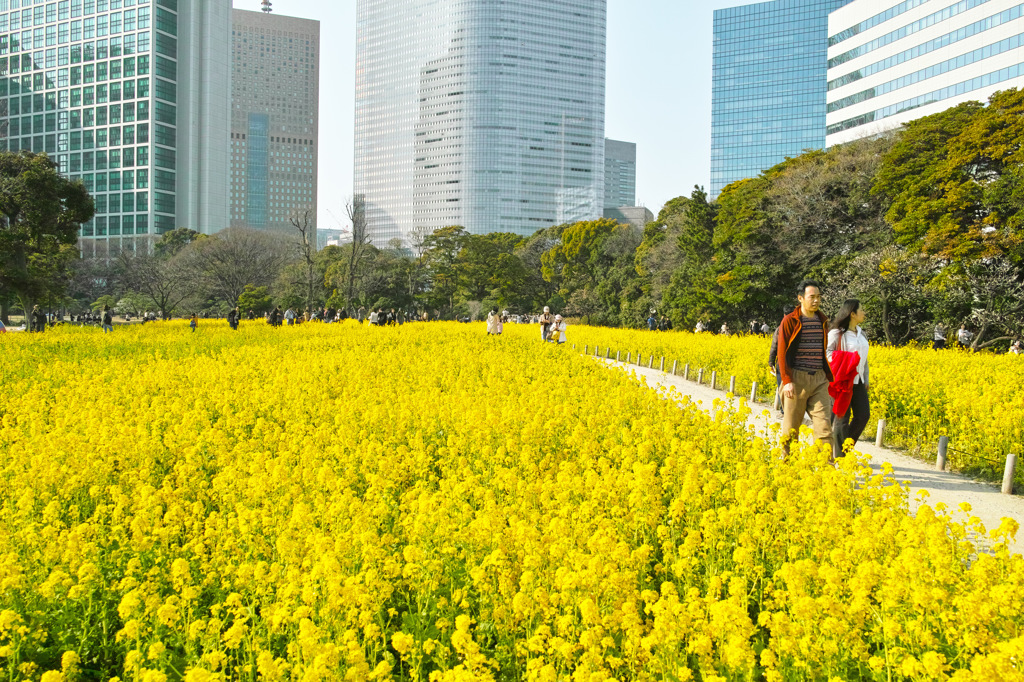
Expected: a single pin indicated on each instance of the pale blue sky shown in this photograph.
(658, 92)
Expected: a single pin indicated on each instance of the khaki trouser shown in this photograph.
(811, 397)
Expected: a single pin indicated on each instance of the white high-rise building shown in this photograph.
(487, 114)
(890, 62)
(132, 97)
(274, 119)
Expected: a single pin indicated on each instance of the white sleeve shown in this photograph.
(833, 343)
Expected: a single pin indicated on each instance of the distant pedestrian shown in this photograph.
(37, 320)
(1015, 348)
(275, 317)
(804, 367)
(194, 322)
(557, 332)
(252, 315)
(939, 337)
(652, 322)
(289, 316)
(754, 327)
(545, 321)
(107, 319)
(846, 335)
(493, 321)
(724, 331)
(233, 317)
(765, 329)
(964, 336)
(699, 328)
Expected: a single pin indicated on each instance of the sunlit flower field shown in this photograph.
(976, 400)
(336, 502)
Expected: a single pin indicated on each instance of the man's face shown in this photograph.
(810, 300)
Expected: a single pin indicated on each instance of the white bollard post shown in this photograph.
(629, 358)
(940, 459)
(675, 364)
(880, 436)
(618, 355)
(662, 363)
(714, 379)
(732, 385)
(1011, 465)
(608, 355)
(650, 364)
(586, 350)
(753, 393)
(686, 371)
(700, 376)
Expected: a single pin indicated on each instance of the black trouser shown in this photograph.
(852, 427)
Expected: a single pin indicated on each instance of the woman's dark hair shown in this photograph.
(842, 321)
(787, 309)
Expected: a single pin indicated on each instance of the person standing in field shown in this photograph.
(492, 322)
(107, 320)
(233, 316)
(557, 333)
(545, 320)
(846, 334)
(804, 367)
(289, 315)
(194, 322)
(964, 336)
(939, 338)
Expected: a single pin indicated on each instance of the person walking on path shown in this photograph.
(804, 367)
(194, 322)
(545, 320)
(773, 353)
(289, 315)
(847, 335)
(233, 316)
(939, 338)
(652, 322)
(108, 319)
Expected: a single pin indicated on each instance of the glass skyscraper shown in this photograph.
(768, 85)
(619, 173)
(274, 119)
(487, 114)
(129, 96)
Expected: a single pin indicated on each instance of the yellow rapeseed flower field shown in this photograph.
(977, 400)
(337, 502)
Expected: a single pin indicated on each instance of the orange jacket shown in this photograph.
(789, 341)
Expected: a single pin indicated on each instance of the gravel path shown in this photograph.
(986, 500)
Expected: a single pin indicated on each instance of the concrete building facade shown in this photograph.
(482, 113)
(275, 102)
(131, 97)
(890, 61)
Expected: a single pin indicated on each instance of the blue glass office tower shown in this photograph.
(768, 85)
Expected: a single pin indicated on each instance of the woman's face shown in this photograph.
(858, 316)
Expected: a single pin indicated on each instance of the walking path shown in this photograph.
(986, 500)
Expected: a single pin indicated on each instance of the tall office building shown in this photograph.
(483, 113)
(129, 96)
(619, 173)
(768, 85)
(275, 100)
(890, 62)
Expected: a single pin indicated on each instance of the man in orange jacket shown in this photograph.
(804, 367)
